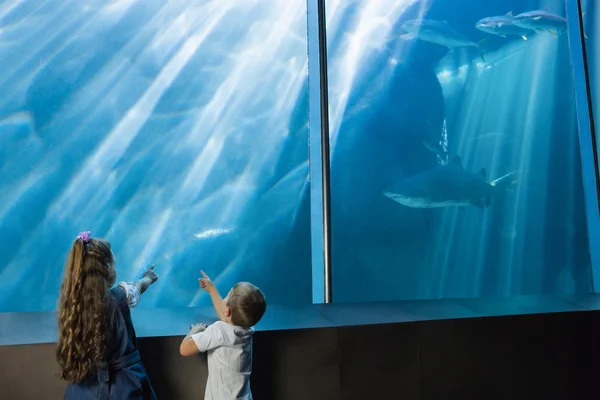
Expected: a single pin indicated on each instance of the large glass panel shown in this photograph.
(591, 26)
(176, 129)
(455, 163)
(589, 13)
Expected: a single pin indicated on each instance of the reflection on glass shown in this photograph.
(178, 130)
(454, 150)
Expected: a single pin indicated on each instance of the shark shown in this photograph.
(437, 32)
(541, 20)
(502, 25)
(449, 185)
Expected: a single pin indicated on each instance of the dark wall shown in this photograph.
(521, 357)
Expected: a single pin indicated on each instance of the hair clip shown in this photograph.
(85, 236)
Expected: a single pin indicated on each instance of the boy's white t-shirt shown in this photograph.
(229, 349)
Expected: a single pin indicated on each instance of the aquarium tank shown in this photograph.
(180, 132)
(455, 161)
(175, 129)
(591, 27)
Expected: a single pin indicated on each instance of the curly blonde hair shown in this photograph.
(85, 309)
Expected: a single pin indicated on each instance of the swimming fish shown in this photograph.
(502, 25)
(541, 20)
(448, 185)
(436, 32)
(19, 125)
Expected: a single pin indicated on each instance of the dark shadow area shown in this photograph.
(542, 356)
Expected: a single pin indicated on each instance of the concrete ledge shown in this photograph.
(40, 327)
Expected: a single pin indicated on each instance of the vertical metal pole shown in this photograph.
(325, 155)
(587, 135)
(314, 154)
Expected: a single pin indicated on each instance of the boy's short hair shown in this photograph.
(247, 304)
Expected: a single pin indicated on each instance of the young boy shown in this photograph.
(228, 342)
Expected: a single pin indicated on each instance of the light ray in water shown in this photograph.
(521, 151)
(156, 188)
(362, 34)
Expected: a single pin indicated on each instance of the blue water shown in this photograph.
(513, 110)
(176, 129)
(179, 131)
(591, 24)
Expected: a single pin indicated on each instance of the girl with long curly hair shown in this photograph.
(97, 346)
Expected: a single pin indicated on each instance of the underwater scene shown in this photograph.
(591, 27)
(177, 130)
(455, 160)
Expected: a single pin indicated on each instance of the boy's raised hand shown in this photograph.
(150, 274)
(197, 328)
(205, 282)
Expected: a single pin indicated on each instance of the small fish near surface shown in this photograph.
(437, 32)
(502, 25)
(447, 186)
(541, 20)
(17, 126)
